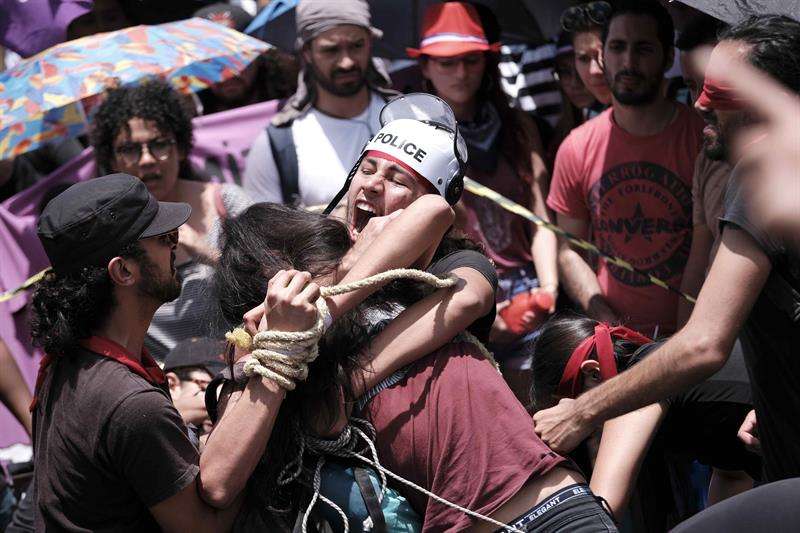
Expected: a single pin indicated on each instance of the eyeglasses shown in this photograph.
(131, 153)
(578, 18)
(168, 239)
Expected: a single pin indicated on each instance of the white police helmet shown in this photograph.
(420, 130)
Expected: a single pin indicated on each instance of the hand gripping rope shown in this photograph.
(284, 356)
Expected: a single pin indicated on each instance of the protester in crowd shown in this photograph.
(189, 367)
(575, 354)
(505, 154)
(304, 155)
(578, 101)
(415, 446)
(145, 132)
(270, 76)
(624, 179)
(768, 168)
(710, 177)
(585, 23)
(752, 282)
(111, 450)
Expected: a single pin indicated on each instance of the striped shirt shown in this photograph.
(527, 77)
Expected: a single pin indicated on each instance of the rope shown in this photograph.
(283, 356)
(476, 188)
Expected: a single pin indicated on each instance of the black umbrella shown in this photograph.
(732, 11)
(400, 22)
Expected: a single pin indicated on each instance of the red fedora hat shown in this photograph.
(451, 29)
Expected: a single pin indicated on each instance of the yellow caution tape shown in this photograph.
(25, 286)
(476, 188)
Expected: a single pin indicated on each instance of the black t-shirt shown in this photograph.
(702, 422)
(107, 445)
(476, 261)
(771, 342)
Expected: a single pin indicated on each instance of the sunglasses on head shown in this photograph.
(580, 17)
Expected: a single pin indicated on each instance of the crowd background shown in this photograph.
(266, 134)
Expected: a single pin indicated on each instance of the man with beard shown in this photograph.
(304, 155)
(625, 178)
(753, 284)
(111, 451)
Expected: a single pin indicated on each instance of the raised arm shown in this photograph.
(737, 276)
(399, 240)
(239, 439)
(427, 326)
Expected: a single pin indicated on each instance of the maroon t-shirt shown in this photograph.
(453, 426)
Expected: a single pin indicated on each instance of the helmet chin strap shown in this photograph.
(345, 187)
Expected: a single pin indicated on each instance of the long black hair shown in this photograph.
(256, 244)
(557, 339)
(66, 308)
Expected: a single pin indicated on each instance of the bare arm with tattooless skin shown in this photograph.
(691, 355)
(240, 437)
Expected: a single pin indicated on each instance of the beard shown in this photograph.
(645, 94)
(714, 144)
(330, 84)
(156, 285)
(717, 136)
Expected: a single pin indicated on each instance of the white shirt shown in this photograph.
(327, 147)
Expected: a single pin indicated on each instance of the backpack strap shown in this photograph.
(284, 154)
(370, 499)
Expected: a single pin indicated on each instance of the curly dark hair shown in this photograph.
(67, 308)
(153, 100)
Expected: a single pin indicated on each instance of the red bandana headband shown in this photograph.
(571, 384)
(720, 96)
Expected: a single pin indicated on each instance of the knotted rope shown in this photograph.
(284, 356)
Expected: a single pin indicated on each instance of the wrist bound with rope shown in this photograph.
(283, 356)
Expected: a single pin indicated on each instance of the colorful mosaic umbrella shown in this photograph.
(45, 97)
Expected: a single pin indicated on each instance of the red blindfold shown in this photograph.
(602, 343)
(720, 96)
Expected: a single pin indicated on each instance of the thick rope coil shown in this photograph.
(283, 356)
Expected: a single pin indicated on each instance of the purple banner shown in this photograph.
(222, 141)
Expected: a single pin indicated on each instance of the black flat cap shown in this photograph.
(87, 224)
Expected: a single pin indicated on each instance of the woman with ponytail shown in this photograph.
(573, 354)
